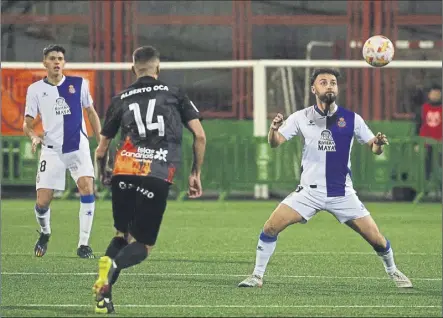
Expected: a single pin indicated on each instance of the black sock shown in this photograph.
(131, 255)
(115, 246)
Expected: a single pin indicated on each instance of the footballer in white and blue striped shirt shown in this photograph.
(60, 100)
(328, 131)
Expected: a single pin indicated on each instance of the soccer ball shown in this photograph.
(378, 51)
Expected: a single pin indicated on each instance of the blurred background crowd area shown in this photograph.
(108, 31)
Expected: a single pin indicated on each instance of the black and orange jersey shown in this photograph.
(151, 116)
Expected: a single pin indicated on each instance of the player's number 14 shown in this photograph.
(160, 124)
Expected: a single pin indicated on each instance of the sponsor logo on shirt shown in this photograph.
(144, 153)
(326, 142)
(61, 107)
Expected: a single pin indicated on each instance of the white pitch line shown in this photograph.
(232, 306)
(203, 274)
(242, 253)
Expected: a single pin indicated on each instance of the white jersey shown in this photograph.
(328, 139)
(61, 110)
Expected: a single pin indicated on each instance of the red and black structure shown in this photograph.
(112, 23)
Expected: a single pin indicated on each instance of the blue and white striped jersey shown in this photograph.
(327, 147)
(61, 111)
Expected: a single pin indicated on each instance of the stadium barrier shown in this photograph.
(231, 167)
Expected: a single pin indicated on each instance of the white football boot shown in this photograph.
(252, 281)
(400, 279)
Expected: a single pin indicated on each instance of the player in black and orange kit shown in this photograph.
(151, 116)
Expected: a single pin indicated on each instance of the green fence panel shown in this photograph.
(233, 163)
(19, 164)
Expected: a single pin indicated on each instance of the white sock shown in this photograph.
(265, 249)
(388, 261)
(86, 215)
(387, 258)
(43, 216)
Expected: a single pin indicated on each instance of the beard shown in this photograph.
(327, 98)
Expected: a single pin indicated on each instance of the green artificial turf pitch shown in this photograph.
(205, 249)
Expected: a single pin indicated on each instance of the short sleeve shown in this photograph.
(362, 131)
(188, 110)
(31, 108)
(290, 127)
(86, 97)
(112, 119)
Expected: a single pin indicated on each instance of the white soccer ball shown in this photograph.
(378, 51)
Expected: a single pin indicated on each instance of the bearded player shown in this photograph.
(328, 131)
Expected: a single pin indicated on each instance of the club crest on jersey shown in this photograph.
(71, 89)
(326, 142)
(341, 122)
(61, 107)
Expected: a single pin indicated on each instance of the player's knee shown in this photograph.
(43, 199)
(42, 205)
(85, 185)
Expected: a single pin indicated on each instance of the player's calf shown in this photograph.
(115, 246)
(132, 254)
(43, 217)
(86, 216)
(368, 229)
(282, 217)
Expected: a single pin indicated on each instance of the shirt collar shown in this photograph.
(58, 84)
(332, 110)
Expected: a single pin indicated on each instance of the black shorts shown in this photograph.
(138, 204)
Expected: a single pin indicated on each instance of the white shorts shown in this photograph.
(51, 170)
(307, 202)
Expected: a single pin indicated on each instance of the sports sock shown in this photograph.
(130, 255)
(387, 257)
(265, 249)
(116, 244)
(43, 216)
(86, 216)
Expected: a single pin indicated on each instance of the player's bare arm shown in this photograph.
(199, 146)
(275, 138)
(101, 157)
(28, 129)
(376, 144)
(95, 122)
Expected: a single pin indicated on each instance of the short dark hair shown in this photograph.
(435, 86)
(53, 48)
(145, 54)
(319, 71)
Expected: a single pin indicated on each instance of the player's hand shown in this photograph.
(36, 140)
(277, 121)
(100, 153)
(105, 177)
(195, 186)
(380, 139)
(104, 172)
